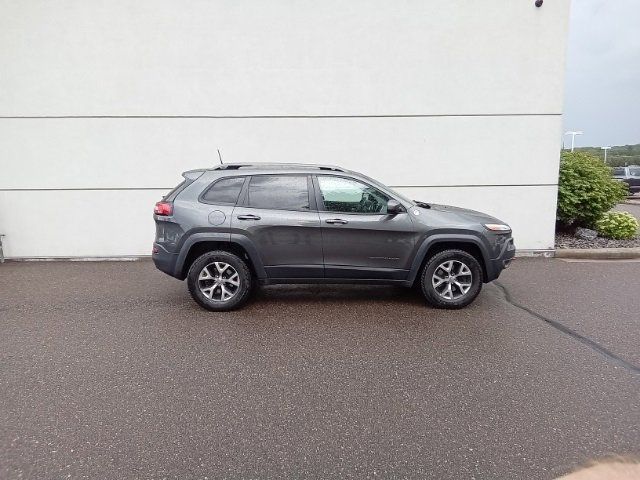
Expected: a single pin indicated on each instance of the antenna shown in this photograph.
(220, 157)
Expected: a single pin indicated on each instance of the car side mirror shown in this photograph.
(394, 207)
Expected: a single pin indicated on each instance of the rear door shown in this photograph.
(360, 239)
(279, 216)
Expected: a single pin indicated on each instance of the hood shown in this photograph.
(459, 215)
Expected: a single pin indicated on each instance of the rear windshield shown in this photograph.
(189, 178)
(175, 191)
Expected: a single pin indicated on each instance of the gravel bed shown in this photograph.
(564, 240)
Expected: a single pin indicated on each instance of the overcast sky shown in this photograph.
(602, 95)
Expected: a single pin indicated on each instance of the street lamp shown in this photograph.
(573, 138)
(605, 152)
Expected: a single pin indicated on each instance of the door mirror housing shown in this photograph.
(394, 207)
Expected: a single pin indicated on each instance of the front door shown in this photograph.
(360, 239)
(276, 214)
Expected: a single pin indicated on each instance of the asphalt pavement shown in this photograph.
(632, 208)
(109, 370)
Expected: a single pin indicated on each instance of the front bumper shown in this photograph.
(502, 261)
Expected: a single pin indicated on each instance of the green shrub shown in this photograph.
(585, 189)
(618, 225)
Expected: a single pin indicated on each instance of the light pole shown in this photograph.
(605, 152)
(573, 138)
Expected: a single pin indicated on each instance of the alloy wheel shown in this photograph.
(219, 281)
(452, 279)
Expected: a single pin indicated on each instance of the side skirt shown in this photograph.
(334, 281)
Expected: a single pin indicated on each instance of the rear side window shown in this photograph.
(279, 192)
(224, 191)
(619, 172)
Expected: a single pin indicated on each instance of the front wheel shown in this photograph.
(219, 281)
(451, 279)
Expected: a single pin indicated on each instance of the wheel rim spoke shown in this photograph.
(224, 293)
(221, 267)
(448, 293)
(204, 274)
(208, 292)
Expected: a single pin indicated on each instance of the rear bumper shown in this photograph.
(498, 264)
(164, 260)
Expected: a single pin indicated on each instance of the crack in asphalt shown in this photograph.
(593, 345)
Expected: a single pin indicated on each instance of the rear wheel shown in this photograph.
(219, 281)
(451, 279)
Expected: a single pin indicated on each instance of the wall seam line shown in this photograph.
(61, 117)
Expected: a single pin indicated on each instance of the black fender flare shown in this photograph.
(237, 239)
(432, 240)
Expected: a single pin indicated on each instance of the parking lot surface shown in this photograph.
(109, 370)
(632, 208)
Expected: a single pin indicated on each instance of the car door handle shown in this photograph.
(248, 217)
(338, 221)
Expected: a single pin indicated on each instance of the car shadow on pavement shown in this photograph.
(340, 293)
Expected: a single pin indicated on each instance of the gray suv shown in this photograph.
(227, 229)
(629, 175)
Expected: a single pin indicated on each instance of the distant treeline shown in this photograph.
(618, 156)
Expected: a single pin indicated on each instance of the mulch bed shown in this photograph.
(566, 240)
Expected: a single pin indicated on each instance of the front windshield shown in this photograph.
(390, 190)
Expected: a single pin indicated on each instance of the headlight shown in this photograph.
(497, 227)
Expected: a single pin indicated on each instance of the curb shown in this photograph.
(599, 253)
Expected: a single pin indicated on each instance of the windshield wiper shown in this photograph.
(422, 204)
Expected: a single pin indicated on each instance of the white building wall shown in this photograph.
(103, 104)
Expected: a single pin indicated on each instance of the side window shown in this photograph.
(279, 192)
(346, 195)
(224, 191)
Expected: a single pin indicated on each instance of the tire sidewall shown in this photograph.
(244, 274)
(429, 292)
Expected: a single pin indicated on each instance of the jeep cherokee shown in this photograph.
(229, 228)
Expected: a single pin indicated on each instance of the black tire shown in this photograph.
(459, 257)
(196, 284)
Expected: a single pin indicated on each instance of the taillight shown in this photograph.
(163, 208)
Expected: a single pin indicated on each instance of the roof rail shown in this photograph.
(266, 166)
